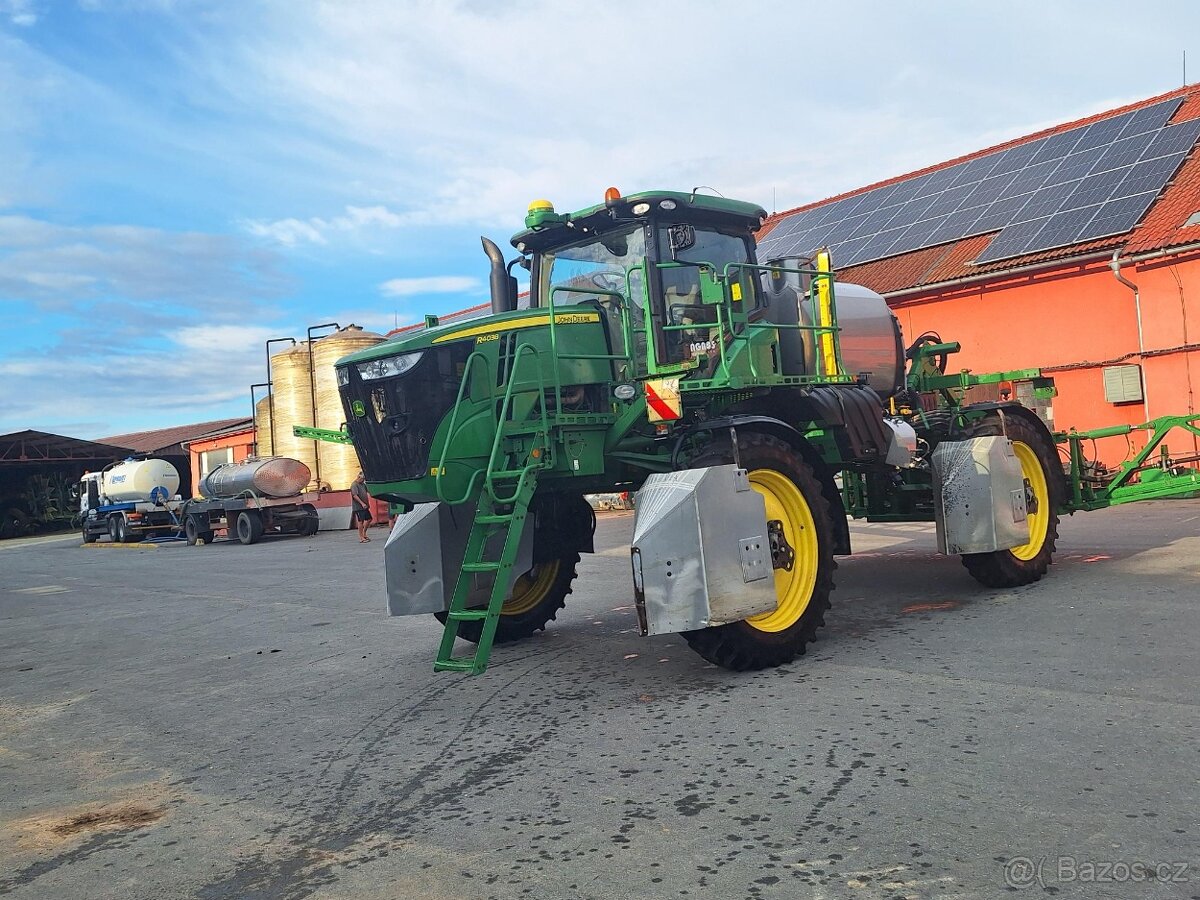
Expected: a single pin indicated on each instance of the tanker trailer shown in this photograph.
(251, 498)
(129, 501)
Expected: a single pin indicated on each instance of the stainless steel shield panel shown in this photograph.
(424, 554)
(701, 554)
(979, 496)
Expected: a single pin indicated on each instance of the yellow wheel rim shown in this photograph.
(530, 589)
(793, 589)
(1039, 522)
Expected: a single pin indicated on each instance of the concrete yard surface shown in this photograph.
(245, 722)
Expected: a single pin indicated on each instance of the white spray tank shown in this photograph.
(140, 481)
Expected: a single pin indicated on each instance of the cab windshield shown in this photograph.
(594, 270)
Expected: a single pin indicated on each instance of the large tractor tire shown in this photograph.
(1045, 493)
(795, 500)
(536, 598)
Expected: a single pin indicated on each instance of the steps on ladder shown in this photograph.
(503, 507)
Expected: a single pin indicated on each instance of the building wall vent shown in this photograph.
(1123, 384)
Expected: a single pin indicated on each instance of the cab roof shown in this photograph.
(694, 208)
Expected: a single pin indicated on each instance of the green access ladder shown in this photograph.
(503, 509)
(509, 483)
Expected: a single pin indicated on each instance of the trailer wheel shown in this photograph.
(191, 530)
(793, 498)
(1040, 465)
(536, 598)
(310, 526)
(249, 527)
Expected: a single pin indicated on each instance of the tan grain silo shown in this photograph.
(262, 427)
(292, 391)
(338, 463)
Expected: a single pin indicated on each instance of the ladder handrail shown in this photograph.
(475, 357)
(523, 350)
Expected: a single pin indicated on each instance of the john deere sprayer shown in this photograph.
(752, 405)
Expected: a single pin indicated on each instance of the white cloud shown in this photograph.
(356, 220)
(287, 231)
(72, 267)
(434, 284)
(222, 338)
(19, 12)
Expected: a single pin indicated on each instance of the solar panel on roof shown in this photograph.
(1046, 201)
(1028, 179)
(1124, 152)
(1011, 241)
(1117, 216)
(1056, 146)
(1039, 182)
(1060, 229)
(1103, 133)
(975, 170)
(1096, 188)
(1001, 213)
(1151, 118)
(876, 221)
(948, 201)
(1179, 138)
(988, 190)
(1075, 166)
(1015, 158)
(1149, 175)
(954, 226)
(936, 182)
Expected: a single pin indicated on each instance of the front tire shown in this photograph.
(794, 499)
(534, 602)
(1040, 465)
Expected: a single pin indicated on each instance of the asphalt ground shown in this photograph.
(232, 721)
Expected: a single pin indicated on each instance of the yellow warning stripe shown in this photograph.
(515, 324)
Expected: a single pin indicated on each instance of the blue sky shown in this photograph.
(180, 181)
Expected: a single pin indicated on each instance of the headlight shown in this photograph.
(389, 366)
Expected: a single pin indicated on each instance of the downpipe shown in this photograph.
(1115, 265)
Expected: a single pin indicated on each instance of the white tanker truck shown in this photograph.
(130, 500)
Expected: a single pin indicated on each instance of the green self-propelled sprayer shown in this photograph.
(753, 405)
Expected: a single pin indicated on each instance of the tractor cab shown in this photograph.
(672, 273)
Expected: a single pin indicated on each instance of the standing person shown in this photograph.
(362, 507)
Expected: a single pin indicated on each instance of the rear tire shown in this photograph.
(1040, 465)
(190, 532)
(311, 525)
(536, 598)
(794, 497)
(125, 534)
(249, 527)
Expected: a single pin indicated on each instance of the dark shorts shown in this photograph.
(362, 515)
